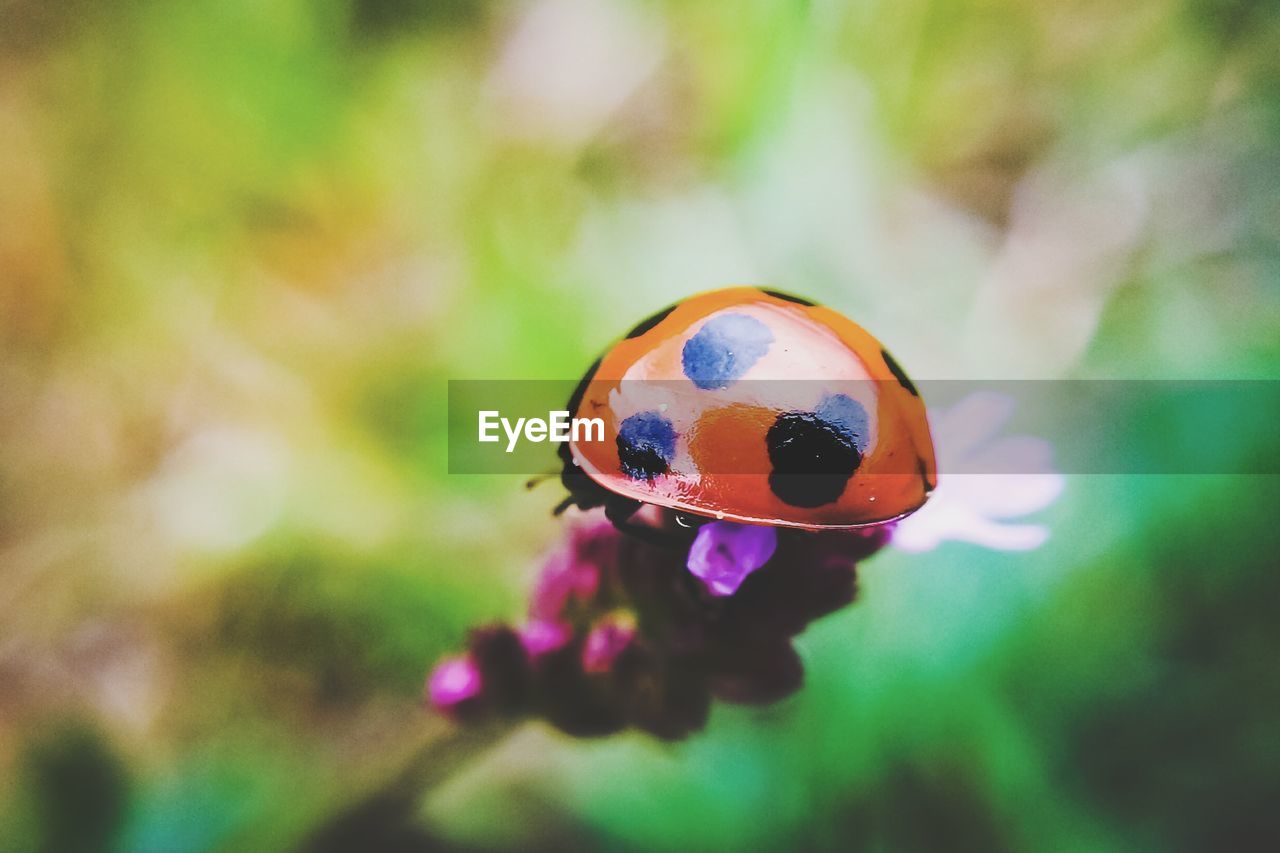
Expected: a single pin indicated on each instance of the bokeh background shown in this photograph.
(244, 245)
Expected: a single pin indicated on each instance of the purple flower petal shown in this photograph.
(724, 553)
(454, 683)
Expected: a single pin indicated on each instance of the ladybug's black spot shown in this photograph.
(646, 325)
(787, 297)
(812, 459)
(898, 373)
(646, 445)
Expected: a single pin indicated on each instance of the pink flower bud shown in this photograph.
(455, 686)
(607, 641)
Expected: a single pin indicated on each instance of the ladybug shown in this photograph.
(751, 406)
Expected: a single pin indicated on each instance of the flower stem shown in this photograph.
(391, 811)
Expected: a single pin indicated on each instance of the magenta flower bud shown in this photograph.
(455, 686)
(607, 641)
(571, 577)
(542, 637)
(724, 553)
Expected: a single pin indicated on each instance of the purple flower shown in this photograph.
(624, 632)
(724, 553)
(455, 686)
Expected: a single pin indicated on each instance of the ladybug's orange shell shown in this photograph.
(723, 427)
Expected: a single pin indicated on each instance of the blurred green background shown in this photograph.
(244, 245)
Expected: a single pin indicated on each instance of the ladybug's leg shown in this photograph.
(653, 535)
(539, 479)
(584, 492)
(619, 510)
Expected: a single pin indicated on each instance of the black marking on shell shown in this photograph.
(929, 485)
(899, 373)
(787, 297)
(573, 477)
(645, 325)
